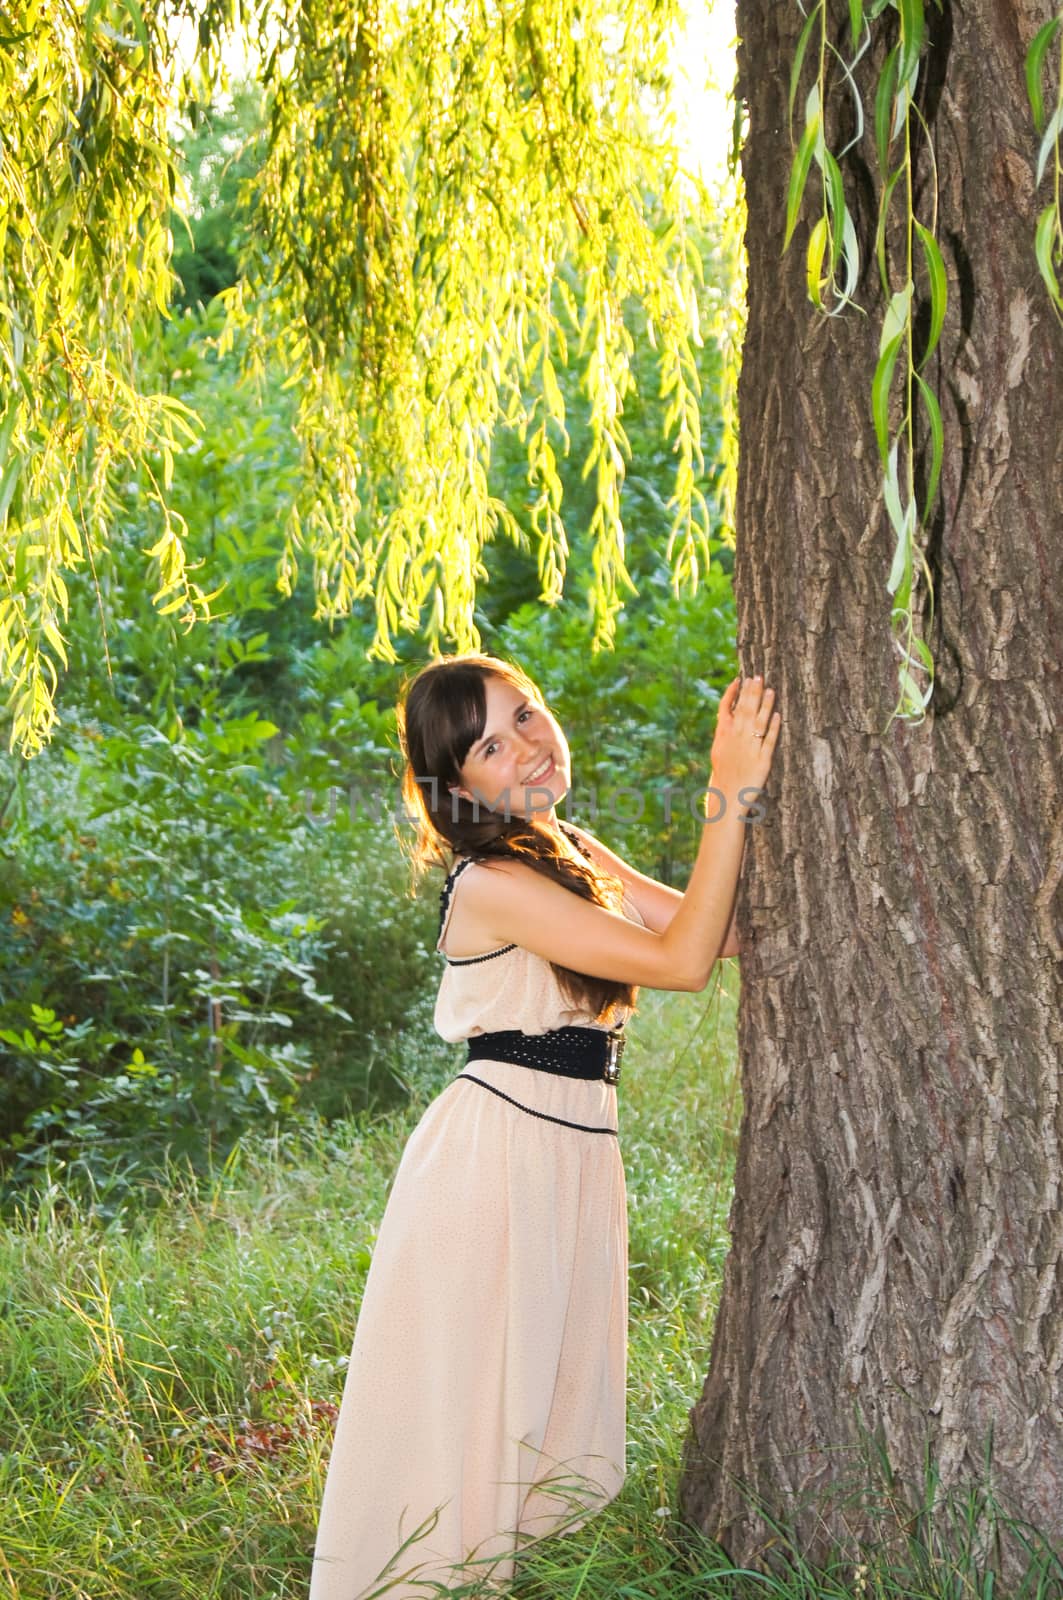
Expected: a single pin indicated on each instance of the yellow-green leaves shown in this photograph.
(458, 201)
(1048, 249)
(832, 239)
(86, 174)
(1048, 236)
(455, 202)
(811, 135)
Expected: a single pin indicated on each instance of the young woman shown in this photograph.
(484, 1402)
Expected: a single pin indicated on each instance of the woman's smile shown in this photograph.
(542, 772)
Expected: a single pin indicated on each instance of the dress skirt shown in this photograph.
(484, 1400)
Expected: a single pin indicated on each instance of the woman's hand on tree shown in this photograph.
(747, 730)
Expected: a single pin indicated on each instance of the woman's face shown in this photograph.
(521, 760)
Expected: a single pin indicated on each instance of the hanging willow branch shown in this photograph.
(832, 242)
(895, 110)
(441, 181)
(457, 201)
(84, 264)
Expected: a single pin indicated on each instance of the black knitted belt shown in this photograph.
(591, 1053)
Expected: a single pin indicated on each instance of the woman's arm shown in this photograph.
(511, 903)
(655, 902)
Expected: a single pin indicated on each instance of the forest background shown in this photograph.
(204, 868)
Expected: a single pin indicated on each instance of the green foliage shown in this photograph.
(183, 876)
(450, 206)
(185, 952)
(484, 173)
(221, 149)
(87, 177)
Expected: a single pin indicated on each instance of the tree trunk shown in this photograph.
(894, 1293)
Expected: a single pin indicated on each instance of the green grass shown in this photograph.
(168, 1379)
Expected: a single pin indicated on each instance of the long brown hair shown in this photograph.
(441, 715)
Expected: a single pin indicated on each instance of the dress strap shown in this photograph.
(445, 895)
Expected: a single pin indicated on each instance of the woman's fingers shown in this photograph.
(747, 699)
(752, 695)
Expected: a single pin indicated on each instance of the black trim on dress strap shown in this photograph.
(447, 890)
(471, 961)
(544, 1116)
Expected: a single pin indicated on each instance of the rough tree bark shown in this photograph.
(897, 1255)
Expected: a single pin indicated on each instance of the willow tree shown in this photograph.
(454, 201)
(888, 1350)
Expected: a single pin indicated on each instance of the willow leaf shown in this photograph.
(913, 27)
(891, 491)
(898, 315)
(817, 249)
(925, 658)
(899, 581)
(851, 252)
(905, 91)
(880, 393)
(1044, 249)
(1048, 143)
(939, 289)
(856, 20)
(887, 84)
(1035, 57)
(799, 59)
(880, 231)
(799, 176)
(836, 201)
(937, 443)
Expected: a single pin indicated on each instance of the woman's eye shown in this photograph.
(522, 717)
(491, 748)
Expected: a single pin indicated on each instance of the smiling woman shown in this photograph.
(524, 762)
(484, 1403)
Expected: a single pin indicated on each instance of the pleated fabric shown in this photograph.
(484, 1403)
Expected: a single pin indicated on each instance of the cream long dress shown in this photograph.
(484, 1403)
